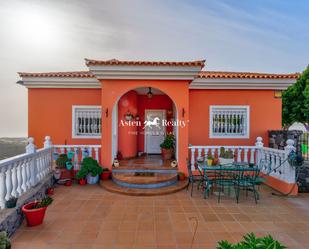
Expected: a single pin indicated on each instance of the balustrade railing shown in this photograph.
(20, 173)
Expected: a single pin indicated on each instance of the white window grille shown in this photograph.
(86, 121)
(229, 122)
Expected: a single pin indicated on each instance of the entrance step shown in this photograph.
(144, 179)
(113, 187)
(137, 168)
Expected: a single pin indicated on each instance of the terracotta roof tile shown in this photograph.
(246, 75)
(112, 62)
(77, 74)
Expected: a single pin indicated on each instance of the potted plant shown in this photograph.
(35, 211)
(226, 156)
(50, 191)
(167, 147)
(106, 174)
(209, 160)
(63, 165)
(82, 181)
(181, 176)
(90, 169)
(5, 242)
(11, 203)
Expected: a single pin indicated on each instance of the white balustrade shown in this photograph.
(20, 173)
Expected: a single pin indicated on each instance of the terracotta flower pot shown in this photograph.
(105, 175)
(50, 191)
(34, 217)
(68, 183)
(181, 177)
(82, 182)
(167, 154)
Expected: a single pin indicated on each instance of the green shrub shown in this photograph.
(89, 165)
(250, 241)
(168, 142)
(43, 203)
(228, 154)
(62, 160)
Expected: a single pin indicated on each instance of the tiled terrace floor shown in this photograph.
(89, 217)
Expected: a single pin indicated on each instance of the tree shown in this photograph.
(295, 101)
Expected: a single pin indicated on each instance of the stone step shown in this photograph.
(113, 187)
(144, 177)
(136, 168)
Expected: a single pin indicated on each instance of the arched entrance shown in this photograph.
(113, 90)
(141, 118)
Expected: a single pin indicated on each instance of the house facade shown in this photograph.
(115, 104)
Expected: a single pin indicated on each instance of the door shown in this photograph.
(154, 130)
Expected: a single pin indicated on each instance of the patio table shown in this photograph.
(234, 168)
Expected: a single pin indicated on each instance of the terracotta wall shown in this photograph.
(265, 114)
(156, 102)
(127, 135)
(50, 113)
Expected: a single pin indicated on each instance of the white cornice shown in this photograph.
(145, 72)
(59, 82)
(254, 84)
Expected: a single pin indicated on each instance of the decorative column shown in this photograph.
(47, 142)
(259, 145)
(289, 169)
(30, 149)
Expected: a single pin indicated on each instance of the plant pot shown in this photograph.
(181, 177)
(167, 154)
(82, 182)
(209, 162)
(105, 175)
(92, 179)
(50, 191)
(226, 160)
(34, 217)
(11, 203)
(68, 183)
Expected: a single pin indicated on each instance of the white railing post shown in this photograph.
(47, 142)
(192, 158)
(289, 170)
(2, 189)
(48, 158)
(259, 146)
(31, 149)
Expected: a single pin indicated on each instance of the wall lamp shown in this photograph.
(183, 112)
(106, 112)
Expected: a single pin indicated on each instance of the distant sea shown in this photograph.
(12, 146)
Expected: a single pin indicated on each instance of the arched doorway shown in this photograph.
(131, 136)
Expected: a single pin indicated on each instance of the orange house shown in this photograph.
(111, 103)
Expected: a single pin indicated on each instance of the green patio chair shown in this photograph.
(224, 179)
(194, 178)
(247, 181)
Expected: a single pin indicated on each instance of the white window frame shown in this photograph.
(247, 133)
(78, 107)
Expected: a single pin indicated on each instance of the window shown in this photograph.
(229, 122)
(86, 121)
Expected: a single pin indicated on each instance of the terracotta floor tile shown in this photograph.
(125, 238)
(183, 238)
(145, 238)
(165, 238)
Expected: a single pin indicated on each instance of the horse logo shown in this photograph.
(154, 122)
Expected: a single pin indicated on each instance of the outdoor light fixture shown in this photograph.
(128, 116)
(278, 94)
(106, 112)
(183, 112)
(149, 94)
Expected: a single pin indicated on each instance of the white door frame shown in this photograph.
(164, 116)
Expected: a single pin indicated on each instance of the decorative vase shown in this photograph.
(69, 165)
(92, 179)
(209, 162)
(70, 155)
(174, 164)
(34, 217)
(181, 177)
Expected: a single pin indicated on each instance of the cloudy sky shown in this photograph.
(55, 35)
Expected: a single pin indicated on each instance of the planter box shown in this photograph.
(92, 179)
(223, 161)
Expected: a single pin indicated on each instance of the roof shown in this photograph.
(114, 62)
(246, 75)
(202, 74)
(76, 74)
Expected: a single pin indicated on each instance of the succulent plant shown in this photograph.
(5, 242)
(43, 203)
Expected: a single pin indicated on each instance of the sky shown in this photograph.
(232, 35)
